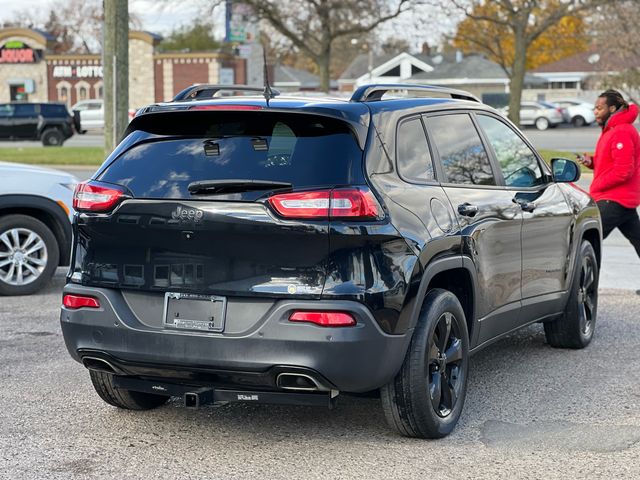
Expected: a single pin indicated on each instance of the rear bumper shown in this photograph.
(353, 359)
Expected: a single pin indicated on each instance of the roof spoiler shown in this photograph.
(374, 93)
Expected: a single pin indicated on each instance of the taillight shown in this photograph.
(80, 301)
(324, 319)
(351, 203)
(94, 196)
(226, 107)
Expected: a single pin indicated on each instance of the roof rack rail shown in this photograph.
(199, 91)
(372, 93)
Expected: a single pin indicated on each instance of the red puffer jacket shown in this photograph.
(616, 165)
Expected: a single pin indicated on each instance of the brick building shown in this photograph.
(30, 72)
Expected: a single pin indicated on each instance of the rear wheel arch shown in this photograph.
(454, 274)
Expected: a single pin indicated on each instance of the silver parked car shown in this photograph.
(542, 115)
(36, 208)
(578, 112)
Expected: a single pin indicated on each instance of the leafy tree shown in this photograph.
(512, 32)
(196, 37)
(562, 40)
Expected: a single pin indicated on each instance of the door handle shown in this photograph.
(467, 209)
(525, 205)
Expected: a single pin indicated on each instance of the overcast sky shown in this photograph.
(155, 17)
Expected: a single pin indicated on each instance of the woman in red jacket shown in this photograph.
(616, 167)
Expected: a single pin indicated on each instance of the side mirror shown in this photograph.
(565, 170)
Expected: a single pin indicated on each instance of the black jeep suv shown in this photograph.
(50, 123)
(285, 250)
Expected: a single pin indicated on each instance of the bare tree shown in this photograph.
(75, 24)
(619, 44)
(313, 26)
(524, 21)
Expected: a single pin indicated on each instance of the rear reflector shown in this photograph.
(350, 203)
(324, 319)
(226, 107)
(94, 196)
(80, 301)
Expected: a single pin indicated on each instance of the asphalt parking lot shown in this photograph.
(531, 412)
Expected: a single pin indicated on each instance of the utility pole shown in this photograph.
(115, 63)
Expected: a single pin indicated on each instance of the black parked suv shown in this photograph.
(287, 250)
(50, 123)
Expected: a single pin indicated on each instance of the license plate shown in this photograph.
(187, 311)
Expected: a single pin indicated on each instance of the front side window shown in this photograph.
(461, 152)
(414, 159)
(518, 163)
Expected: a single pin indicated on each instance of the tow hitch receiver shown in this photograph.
(198, 396)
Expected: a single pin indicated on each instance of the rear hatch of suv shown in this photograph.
(230, 203)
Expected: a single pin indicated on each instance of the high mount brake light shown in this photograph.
(226, 107)
(324, 319)
(348, 203)
(94, 196)
(80, 301)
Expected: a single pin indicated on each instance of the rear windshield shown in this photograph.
(303, 150)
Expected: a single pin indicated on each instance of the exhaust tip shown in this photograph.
(93, 363)
(299, 382)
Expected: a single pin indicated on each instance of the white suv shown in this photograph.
(35, 225)
(579, 113)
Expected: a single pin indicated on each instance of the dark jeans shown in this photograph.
(625, 219)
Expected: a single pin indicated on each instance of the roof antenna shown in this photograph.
(268, 93)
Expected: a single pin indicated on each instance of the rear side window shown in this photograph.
(461, 152)
(303, 150)
(25, 110)
(414, 159)
(53, 110)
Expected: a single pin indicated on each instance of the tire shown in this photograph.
(29, 255)
(576, 326)
(578, 121)
(542, 123)
(52, 137)
(410, 402)
(126, 399)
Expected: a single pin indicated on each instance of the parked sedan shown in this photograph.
(578, 113)
(542, 115)
(35, 226)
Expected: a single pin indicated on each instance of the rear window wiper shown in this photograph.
(234, 186)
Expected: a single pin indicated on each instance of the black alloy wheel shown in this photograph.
(426, 397)
(445, 365)
(587, 296)
(576, 326)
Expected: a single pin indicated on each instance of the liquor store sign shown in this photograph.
(19, 52)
